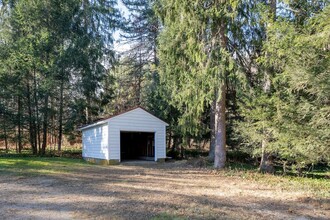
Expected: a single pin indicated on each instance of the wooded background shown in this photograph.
(240, 75)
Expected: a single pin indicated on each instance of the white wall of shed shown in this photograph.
(137, 120)
(95, 142)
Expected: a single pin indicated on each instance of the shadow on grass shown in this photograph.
(67, 153)
(318, 172)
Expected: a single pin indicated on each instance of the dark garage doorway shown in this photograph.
(137, 145)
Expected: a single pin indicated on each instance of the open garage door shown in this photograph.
(137, 145)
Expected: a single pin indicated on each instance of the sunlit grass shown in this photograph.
(31, 166)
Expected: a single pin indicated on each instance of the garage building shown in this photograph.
(132, 135)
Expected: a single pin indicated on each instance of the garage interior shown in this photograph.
(137, 145)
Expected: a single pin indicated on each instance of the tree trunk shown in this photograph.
(182, 151)
(60, 120)
(19, 124)
(175, 144)
(31, 123)
(5, 134)
(220, 129)
(54, 137)
(212, 128)
(45, 126)
(139, 81)
(87, 111)
(16, 145)
(169, 139)
(220, 103)
(51, 128)
(37, 130)
(265, 164)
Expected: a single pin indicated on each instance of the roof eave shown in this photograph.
(92, 125)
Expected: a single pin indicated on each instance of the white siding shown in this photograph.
(95, 142)
(136, 120)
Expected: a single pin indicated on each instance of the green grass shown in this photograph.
(32, 166)
(67, 152)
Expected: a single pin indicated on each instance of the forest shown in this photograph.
(243, 77)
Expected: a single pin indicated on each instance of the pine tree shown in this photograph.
(53, 50)
(302, 88)
(271, 110)
(195, 62)
(136, 71)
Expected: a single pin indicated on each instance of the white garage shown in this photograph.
(133, 135)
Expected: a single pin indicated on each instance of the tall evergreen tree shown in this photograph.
(137, 70)
(195, 62)
(266, 111)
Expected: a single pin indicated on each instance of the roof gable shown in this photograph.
(110, 118)
(136, 110)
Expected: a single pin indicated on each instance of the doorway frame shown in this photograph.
(140, 131)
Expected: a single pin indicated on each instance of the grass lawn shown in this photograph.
(33, 166)
(62, 188)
